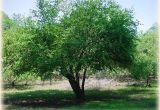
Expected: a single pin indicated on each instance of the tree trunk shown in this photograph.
(42, 82)
(148, 83)
(74, 81)
(50, 81)
(83, 80)
(80, 96)
(26, 83)
(13, 83)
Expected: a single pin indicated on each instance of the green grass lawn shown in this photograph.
(128, 98)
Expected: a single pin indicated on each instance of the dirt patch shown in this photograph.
(91, 83)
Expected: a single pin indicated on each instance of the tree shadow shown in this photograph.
(142, 98)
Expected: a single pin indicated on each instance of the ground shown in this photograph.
(100, 94)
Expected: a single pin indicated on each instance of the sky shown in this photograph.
(145, 10)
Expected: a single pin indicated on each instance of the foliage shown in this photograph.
(15, 41)
(27, 77)
(9, 77)
(98, 36)
(6, 21)
(145, 64)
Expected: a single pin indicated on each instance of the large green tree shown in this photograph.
(93, 34)
(97, 35)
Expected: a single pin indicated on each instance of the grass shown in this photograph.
(129, 98)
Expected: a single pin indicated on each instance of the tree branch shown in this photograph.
(83, 80)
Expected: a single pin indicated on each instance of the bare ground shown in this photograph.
(91, 83)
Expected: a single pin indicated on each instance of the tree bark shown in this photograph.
(83, 80)
(50, 81)
(77, 77)
(74, 80)
(148, 84)
(75, 85)
(26, 83)
(77, 90)
(13, 83)
(43, 82)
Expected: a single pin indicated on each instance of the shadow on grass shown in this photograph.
(122, 98)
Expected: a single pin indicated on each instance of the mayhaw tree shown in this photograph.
(91, 35)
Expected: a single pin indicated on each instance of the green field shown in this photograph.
(127, 98)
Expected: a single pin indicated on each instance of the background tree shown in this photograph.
(15, 41)
(145, 64)
(6, 21)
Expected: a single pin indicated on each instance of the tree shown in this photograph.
(6, 21)
(97, 35)
(145, 63)
(92, 35)
(15, 41)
